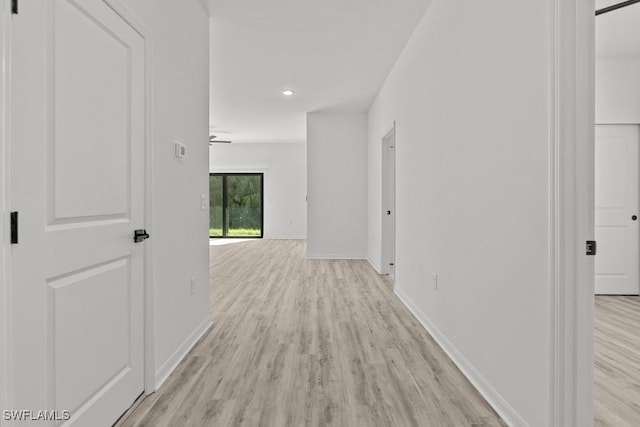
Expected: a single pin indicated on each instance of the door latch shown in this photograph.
(14, 228)
(140, 235)
(591, 247)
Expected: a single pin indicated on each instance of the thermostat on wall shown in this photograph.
(181, 150)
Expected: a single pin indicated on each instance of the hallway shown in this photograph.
(300, 342)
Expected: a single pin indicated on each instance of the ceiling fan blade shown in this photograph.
(213, 140)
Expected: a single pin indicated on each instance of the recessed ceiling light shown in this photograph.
(287, 92)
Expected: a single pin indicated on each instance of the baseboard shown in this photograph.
(497, 402)
(375, 266)
(335, 256)
(285, 237)
(168, 367)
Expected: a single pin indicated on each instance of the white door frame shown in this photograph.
(385, 269)
(571, 213)
(6, 378)
(149, 355)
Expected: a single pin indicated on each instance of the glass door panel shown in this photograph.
(216, 206)
(236, 205)
(244, 202)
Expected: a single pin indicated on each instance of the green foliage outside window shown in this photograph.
(244, 205)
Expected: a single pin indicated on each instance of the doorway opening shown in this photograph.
(617, 205)
(236, 203)
(617, 279)
(389, 204)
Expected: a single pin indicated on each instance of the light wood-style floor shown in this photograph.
(617, 361)
(300, 342)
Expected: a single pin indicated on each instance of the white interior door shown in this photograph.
(616, 218)
(77, 181)
(389, 204)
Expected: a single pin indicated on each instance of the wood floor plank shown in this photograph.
(299, 342)
(617, 361)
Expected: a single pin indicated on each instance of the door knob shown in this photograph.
(634, 217)
(140, 235)
(388, 212)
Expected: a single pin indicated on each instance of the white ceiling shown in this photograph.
(618, 32)
(335, 54)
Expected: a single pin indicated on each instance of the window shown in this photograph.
(235, 201)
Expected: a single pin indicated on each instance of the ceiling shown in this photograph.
(335, 55)
(618, 32)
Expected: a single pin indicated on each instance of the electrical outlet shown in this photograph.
(194, 282)
(203, 202)
(435, 281)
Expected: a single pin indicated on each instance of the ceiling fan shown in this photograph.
(213, 140)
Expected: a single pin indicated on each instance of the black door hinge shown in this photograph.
(591, 247)
(14, 7)
(14, 228)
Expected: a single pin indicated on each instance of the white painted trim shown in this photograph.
(285, 237)
(149, 333)
(174, 360)
(617, 123)
(385, 262)
(375, 266)
(336, 256)
(240, 170)
(585, 220)
(6, 339)
(484, 387)
(556, 401)
(571, 188)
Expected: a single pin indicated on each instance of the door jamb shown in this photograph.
(6, 376)
(149, 354)
(384, 268)
(571, 211)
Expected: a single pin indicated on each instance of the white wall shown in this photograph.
(337, 185)
(617, 90)
(470, 96)
(285, 182)
(179, 232)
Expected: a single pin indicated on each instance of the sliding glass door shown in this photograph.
(216, 206)
(235, 204)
